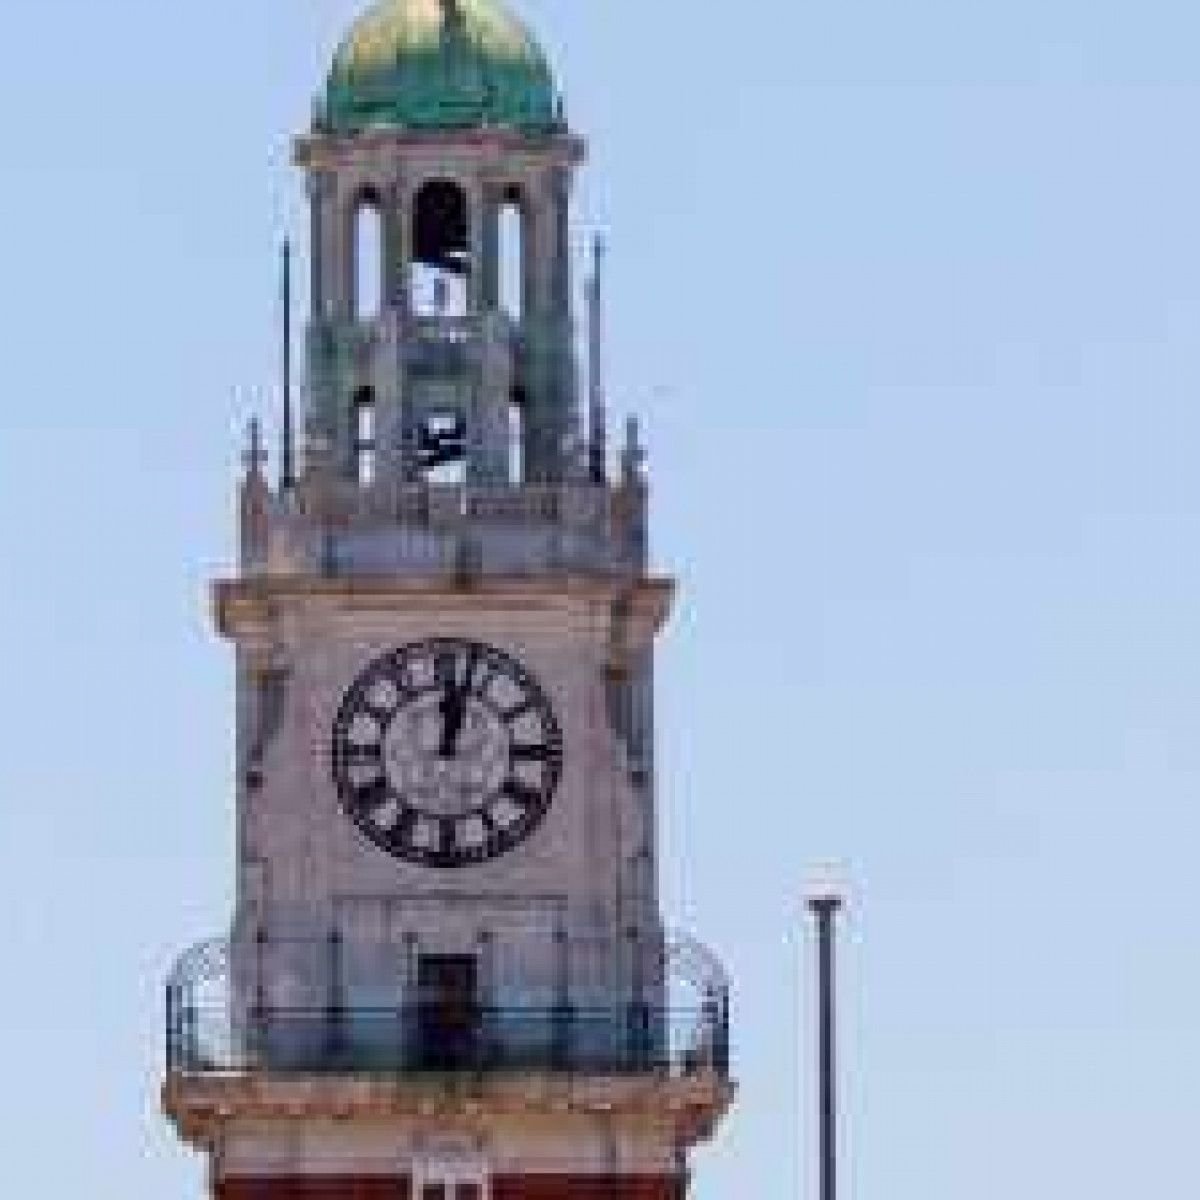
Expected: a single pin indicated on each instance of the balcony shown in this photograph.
(220, 1022)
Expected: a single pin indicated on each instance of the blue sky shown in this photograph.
(909, 295)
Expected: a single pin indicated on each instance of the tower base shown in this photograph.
(448, 1138)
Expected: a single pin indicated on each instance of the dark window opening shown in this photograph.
(442, 264)
(449, 1011)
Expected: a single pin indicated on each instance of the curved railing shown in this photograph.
(215, 1026)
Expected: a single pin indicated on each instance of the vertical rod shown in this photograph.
(597, 416)
(825, 909)
(288, 473)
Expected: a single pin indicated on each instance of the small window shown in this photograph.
(457, 1191)
(365, 437)
(452, 1182)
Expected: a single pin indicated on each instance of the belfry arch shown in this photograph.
(441, 263)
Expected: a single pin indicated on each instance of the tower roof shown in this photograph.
(440, 64)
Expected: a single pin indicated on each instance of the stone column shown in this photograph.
(322, 191)
(539, 249)
(489, 266)
(341, 257)
(476, 238)
(560, 277)
(396, 247)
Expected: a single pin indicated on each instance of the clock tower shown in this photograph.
(447, 975)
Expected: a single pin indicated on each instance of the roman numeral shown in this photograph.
(518, 711)
(373, 794)
(537, 753)
(479, 686)
(520, 794)
(445, 668)
(381, 716)
(406, 822)
(361, 753)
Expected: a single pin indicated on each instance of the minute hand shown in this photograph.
(454, 712)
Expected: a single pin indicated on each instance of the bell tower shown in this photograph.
(447, 975)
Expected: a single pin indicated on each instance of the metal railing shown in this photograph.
(633, 1039)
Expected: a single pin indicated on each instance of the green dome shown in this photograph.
(440, 64)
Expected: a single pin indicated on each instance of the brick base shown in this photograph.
(521, 1187)
(587, 1187)
(318, 1187)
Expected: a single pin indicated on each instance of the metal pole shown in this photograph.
(288, 472)
(825, 909)
(597, 412)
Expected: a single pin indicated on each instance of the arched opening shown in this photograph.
(516, 438)
(441, 259)
(365, 437)
(368, 256)
(511, 254)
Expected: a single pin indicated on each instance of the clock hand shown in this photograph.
(454, 712)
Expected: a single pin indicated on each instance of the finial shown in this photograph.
(575, 459)
(452, 19)
(256, 451)
(633, 458)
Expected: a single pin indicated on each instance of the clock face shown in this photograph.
(446, 753)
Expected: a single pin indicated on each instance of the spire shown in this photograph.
(597, 411)
(453, 24)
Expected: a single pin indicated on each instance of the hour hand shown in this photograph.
(454, 712)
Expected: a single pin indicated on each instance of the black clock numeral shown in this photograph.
(532, 753)
(406, 822)
(483, 680)
(445, 668)
(518, 710)
(381, 716)
(522, 794)
(358, 752)
(473, 661)
(371, 795)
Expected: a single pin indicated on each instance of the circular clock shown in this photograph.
(446, 753)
